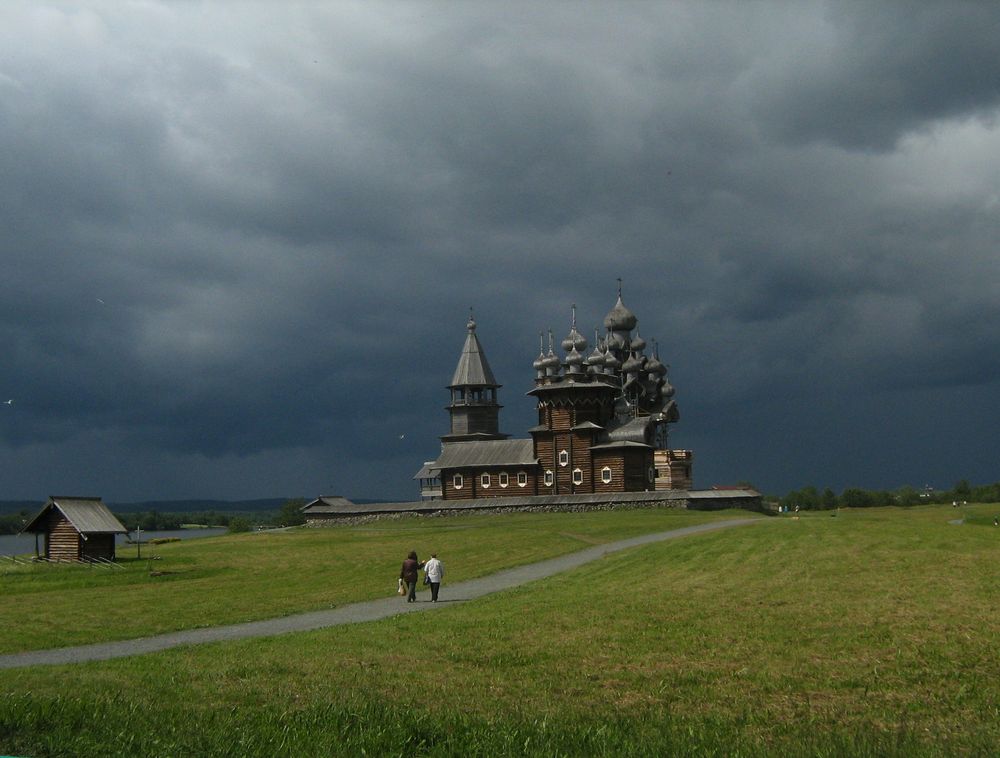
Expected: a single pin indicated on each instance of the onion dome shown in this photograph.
(632, 365)
(668, 389)
(539, 364)
(574, 362)
(551, 360)
(574, 340)
(615, 342)
(611, 363)
(638, 344)
(596, 360)
(620, 318)
(654, 367)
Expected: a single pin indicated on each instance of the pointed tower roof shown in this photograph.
(473, 369)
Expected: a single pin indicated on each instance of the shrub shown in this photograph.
(239, 524)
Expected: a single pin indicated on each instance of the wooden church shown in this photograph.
(602, 422)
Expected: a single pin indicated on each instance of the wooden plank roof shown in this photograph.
(88, 515)
(516, 452)
(328, 504)
(473, 370)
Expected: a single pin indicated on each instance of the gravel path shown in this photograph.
(371, 610)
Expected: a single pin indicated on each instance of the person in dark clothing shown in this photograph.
(409, 575)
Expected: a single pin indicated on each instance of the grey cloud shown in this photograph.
(866, 74)
(287, 214)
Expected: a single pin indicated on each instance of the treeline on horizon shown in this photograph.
(811, 499)
(289, 514)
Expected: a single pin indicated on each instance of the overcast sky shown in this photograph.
(239, 242)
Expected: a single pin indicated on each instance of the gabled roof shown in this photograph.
(473, 368)
(517, 452)
(88, 515)
(328, 504)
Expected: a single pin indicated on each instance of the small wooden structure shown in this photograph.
(76, 529)
(324, 507)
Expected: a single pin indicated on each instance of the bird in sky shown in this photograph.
(9, 402)
(100, 301)
(401, 436)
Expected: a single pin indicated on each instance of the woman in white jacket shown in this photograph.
(434, 571)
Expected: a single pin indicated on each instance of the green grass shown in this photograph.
(859, 633)
(246, 577)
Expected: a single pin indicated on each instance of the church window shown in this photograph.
(548, 478)
(563, 458)
(504, 479)
(522, 478)
(606, 474)
(457, 481)
(484, 480)
(577, 476)
(652, 473)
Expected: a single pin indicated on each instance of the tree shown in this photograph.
(149, 521)
(962, 490)
(855, 498)
(239, 524)
(291, 512)
(829, 499)
(805, 499)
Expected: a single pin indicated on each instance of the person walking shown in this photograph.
(434, 571)
(409, 575)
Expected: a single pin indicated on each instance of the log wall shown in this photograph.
(62, 542)
(472, 484)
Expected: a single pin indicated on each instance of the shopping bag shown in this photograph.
(401, 590)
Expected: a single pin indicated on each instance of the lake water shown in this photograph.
(24, 544)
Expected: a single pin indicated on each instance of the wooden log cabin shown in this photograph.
(76, 529)
(602, 422)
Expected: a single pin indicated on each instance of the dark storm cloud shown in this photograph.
(240, 241)
(873, 72)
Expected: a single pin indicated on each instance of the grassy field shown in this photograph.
(863, 632)
(250, 576)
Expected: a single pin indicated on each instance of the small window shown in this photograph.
(652, 474)
(457, 481)
(522, 478)
(548, 478)
(577, 476)
(563, 458)
(484, 480)
(606, 474)
(504, 479)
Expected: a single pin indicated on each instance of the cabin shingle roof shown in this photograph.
(88, 515)
(328, 504)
